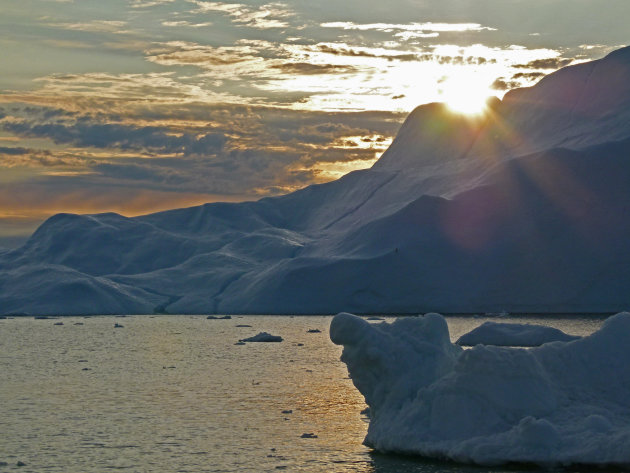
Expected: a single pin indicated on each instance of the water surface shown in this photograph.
(174, 393)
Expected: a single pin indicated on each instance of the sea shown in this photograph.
(178, 393)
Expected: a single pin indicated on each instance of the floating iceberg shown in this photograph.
(520, 335)
(263, 337)
(558, 404)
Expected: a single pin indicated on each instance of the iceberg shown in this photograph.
(508, 334)
(263, 337)
(524, 210)
(559, 404)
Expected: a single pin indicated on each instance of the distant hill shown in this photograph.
(525, 209)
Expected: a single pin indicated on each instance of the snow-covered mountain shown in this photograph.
(525, 209)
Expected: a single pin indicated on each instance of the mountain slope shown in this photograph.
(525, 209)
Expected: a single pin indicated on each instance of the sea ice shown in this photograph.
(558, 404)
(521, 335)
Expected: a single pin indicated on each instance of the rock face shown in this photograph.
(525, 209)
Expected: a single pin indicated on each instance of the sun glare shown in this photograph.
(466, 95)
(468, 105)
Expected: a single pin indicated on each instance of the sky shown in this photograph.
(135, 106)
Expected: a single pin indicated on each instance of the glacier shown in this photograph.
(560, 404)
(524, 209)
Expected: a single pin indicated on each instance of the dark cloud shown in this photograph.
(341, 51)
(14, 156)
(517, 80)
(257, 151)
(502, 84)
(84, 133)
(529, 76)
(461, 60)
(14, 151)
(306, 68)
(551, 63)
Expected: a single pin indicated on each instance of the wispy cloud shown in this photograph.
(307, 68)
(148, 3)
(268, 16)
(186, 24)
(180, 53)
(93, 26)
(546, 63)
(410, 30)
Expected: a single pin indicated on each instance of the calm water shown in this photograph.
(175, 394)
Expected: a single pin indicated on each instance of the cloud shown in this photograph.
(94, 26)
(268, 16)
(14, 151)
(148, 3)
(306, 68)
(407, 31)
(187, 24)
(116, 93)
(520, 79)
(257, 151)
(528, 76)
(181, 53)
(547, 63)
(502, 84)
(343, 50)
(83, 133)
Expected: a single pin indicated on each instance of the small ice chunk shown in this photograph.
(263, 337)
(214, 317)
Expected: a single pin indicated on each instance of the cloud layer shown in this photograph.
(152, 104)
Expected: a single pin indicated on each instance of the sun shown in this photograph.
(466, 95)
(468, 105)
